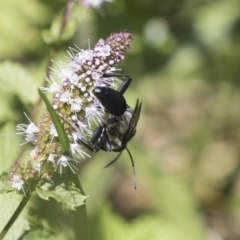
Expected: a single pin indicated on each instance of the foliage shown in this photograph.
(184, 61)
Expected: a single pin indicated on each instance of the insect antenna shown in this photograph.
(133, 168)
(114, 160)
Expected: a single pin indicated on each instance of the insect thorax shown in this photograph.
(116, 127)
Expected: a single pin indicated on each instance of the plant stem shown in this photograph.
(80, 223)
(79, 217)
(53, 51)
(15, 215)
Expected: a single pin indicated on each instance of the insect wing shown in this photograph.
(133, 122)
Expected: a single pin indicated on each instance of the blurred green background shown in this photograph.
(185, 64)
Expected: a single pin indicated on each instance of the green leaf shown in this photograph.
(6, 114)
(54, 35)
(40, 233)
(69, 196)
(5, 185)
(9, 203)
(69, 30)
(176, 202)
(172, 199)
(9, 146)
(108, 224)
(15, 80)
(14, 42)
(62, 136)
(155, 227)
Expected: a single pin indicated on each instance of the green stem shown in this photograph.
(15, 215)
(80, 223)
(79, 216)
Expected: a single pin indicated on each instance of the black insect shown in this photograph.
(113, 101)
(114, 133)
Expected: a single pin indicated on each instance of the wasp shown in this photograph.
(114, 133)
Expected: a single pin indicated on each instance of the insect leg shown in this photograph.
(89, 146)
(97, 134)
(124, 86)
(114, 160)
(105, 143)
(132, 162)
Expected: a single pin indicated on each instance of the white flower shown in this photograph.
(76, 149)
(53, 130)
(37, 167)
(33, 154)
(65, 97)
(54, 86)
(75, 65)
(69, 74)
(74, 79)
(96, 75)
(75, 104)
(86, 55)
(32, 129)
(64, 161)
(29, 130)
(92, 113)
(82, 131)
(103, 51)
(51, 158)
(17, 182)
(79, 133)
(77, 136)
